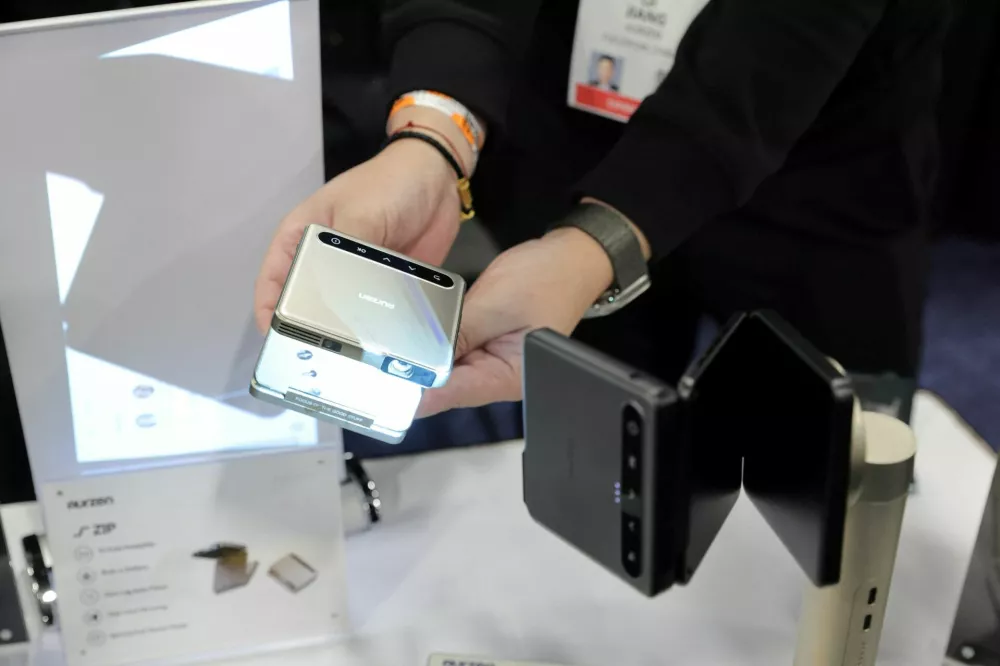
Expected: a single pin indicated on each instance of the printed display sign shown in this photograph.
(622, 51)
(223, 558)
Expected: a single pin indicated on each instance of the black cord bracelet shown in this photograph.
(429, 140)
(465, 195)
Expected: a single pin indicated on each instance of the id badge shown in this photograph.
(622, 51)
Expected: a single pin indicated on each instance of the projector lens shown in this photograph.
(400, 368)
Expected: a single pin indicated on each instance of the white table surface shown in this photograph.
(458, 566)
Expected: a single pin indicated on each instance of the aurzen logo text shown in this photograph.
(90, 503)
(377, 301)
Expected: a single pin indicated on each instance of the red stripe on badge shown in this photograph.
(605, 101)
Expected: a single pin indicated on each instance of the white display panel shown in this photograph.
(147, 157)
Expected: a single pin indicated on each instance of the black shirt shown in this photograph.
(816, 117)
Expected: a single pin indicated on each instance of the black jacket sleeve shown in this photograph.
(749, 79)
(467, 49)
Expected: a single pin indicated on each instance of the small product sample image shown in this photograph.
(232, 566)
(293, 573)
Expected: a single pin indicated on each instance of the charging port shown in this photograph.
(872, 596)
(868, 623)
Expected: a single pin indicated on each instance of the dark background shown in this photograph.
(15, 478)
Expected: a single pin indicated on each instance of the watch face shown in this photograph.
(618, 238)
(615, 299)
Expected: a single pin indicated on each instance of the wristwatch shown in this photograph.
(619, 241)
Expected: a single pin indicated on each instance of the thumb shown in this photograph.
(483, 319)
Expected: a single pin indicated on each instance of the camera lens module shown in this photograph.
(412, 373)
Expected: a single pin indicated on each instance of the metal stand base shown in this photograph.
(841, 624)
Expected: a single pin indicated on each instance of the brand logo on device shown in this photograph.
(91, 503)
(452, 662)
(377, 301)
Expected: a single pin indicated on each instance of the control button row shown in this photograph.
(375, 254)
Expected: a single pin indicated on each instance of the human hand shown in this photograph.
(405, 198)
(550, 282)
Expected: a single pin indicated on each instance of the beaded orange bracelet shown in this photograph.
(459, 114)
